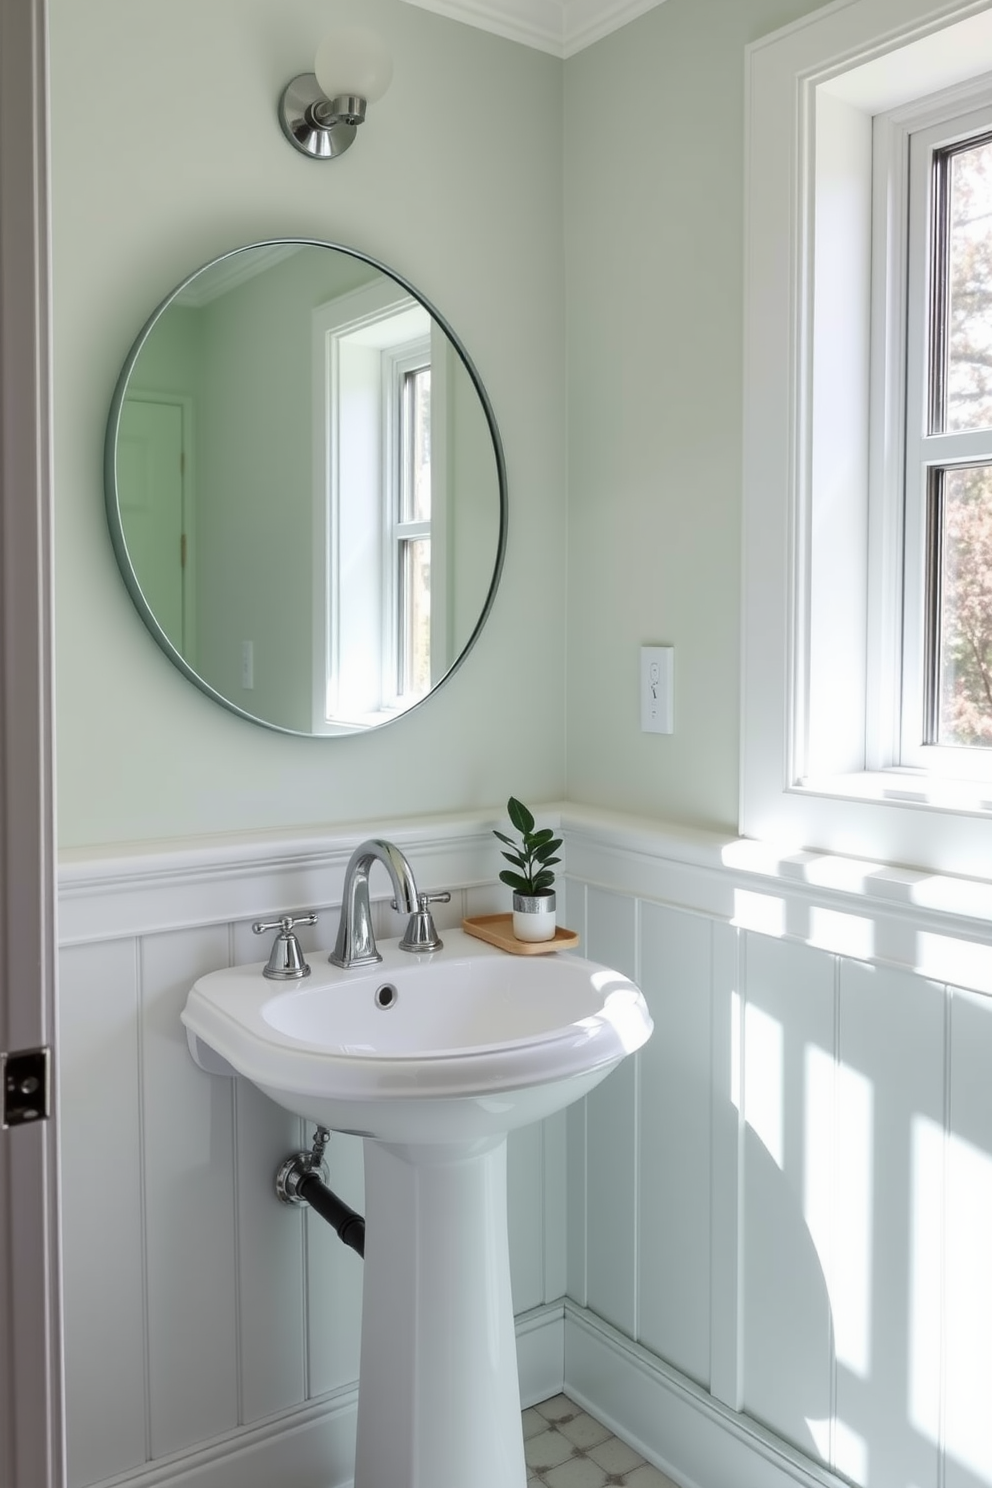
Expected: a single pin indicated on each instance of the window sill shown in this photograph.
(936, 893)
(905, 787)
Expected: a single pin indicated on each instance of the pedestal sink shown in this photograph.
(433, 1059)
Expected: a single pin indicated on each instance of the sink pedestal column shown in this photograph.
(438, 1400)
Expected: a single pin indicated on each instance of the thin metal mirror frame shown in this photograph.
(116, 525)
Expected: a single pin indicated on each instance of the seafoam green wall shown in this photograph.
(165, 153)
(654, 268)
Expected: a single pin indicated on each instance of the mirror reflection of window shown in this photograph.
(374, 354)
(411, 561)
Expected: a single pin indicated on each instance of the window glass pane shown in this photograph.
(963, 533)
(415, 616)
(968, 334)
(417, 446)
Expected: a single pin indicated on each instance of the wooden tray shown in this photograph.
(498, 930)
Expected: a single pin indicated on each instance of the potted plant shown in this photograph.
(531, 877)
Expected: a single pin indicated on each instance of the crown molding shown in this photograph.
(215, 279)
(586, 21)
(561, 27)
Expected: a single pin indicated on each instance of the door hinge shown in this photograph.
(25, 1086)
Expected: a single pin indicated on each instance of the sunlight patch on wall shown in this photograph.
(947, 958)
(837, 1197)
(763, 1080)
(925, 1261)
(736, 1007)
(845, 934)
(850, 1453)
(819, 1430)
(762, 912)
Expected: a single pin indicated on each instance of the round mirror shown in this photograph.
(305, 488)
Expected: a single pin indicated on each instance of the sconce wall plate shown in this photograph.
(300, 97)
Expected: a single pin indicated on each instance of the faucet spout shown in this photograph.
(355, 945)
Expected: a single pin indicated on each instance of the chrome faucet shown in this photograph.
(355, 945)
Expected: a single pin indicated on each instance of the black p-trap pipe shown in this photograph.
(350, 1227)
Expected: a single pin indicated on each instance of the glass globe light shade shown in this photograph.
(353, 62)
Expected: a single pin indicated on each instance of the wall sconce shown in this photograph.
(320, 111)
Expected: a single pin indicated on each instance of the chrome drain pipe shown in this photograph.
(302, 1179)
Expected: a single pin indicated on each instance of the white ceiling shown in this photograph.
(561, 27)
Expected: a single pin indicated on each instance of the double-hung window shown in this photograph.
(867, 707)
(407, 531)
(947, 645)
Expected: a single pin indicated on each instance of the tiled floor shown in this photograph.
(565, 1448)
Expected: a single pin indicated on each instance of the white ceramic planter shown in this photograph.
(534, 917)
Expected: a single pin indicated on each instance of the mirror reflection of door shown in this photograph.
(151, 480)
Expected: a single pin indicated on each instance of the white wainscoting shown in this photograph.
(780, 1211)
(211, 1333)
(773, 1224)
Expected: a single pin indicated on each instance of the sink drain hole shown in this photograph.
(386, 996)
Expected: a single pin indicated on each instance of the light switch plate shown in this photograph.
(657, 689)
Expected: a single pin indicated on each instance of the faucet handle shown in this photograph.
(421, 934)
(424, 899)
(286, 962)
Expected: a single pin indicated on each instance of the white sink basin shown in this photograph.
(472, 1042)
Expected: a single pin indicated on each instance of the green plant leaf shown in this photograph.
(510, 842)
(514, 881)
(519, 815)
(544, 880)
(517, 860)
(540, 838)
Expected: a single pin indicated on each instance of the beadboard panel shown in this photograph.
(333, 1294)
(611, 1155)
(788, 1017)
(727, 1131)
(525, 1215)
(191, 1234)
(884, 1271)
(270, 1271)
(577, 1208)
(967, 1373)
(103, 1216)
(674, 1137)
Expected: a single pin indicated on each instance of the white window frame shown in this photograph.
(352, 336)
(819, 559)
(397, 363)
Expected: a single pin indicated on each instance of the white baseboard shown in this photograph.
(314, 1446)
(670, 1420)
(310, 1447)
